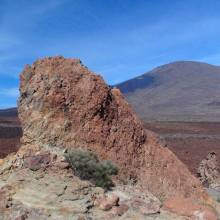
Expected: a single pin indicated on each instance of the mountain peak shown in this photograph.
(175, 91)
(184, 66)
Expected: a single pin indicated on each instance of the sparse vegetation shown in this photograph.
(87, 166)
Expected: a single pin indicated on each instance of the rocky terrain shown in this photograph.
(51, 191)
(179, 91)
(64, 106)
(209, 171)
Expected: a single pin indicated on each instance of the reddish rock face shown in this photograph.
(64, 105)
(188, 208)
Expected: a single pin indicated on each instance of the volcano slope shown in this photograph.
(179, 91)
(64, 106)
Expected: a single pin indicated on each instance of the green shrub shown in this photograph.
(87, 166)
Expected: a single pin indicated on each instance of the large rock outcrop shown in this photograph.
(209, 171)
(64, 105)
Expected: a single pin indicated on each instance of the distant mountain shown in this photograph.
(10, 112)
(179, 91)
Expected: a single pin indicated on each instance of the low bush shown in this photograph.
(87, 166)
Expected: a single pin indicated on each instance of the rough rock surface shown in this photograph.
(56, 194)
(64, 105)
(209, 171)
(186, 207)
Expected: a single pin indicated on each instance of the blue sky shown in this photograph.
(118, 39)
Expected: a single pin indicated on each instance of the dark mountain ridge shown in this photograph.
(10, 112)
(179, 91)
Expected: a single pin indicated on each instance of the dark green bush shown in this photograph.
(87, 166)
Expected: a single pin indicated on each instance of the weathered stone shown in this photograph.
(81, 218)
(189, 208)
(107, 203)
(114, 199)
(62, 165)
(54, 196)
(150, 208)
(145, 208)
(1, 162)
(209, 170)
(5, 197)
(3, 201)
(21, 217)
(64, 105)
(120, 210)
(38, 161)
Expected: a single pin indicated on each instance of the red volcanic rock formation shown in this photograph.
(64, 105)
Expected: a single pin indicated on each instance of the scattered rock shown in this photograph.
(107, 203)
(209, 170)
(36, 162)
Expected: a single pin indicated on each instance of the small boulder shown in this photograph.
(62, 165)
(1, 162)
(107, 203)
(208, 170)
(36, 162)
